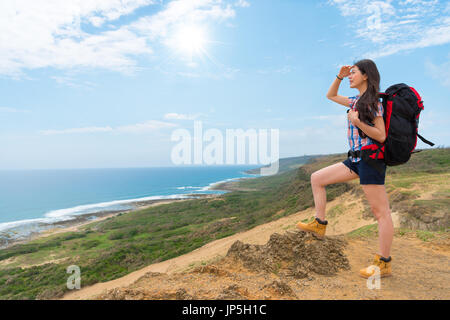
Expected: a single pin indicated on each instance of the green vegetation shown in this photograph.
(424, 163)
(434, 204)
(424, 235)
(112, 248)
(425, 167)
(287, 164)
(371, 231)
(335, 211)
(109, 249)
(364, 232)
(308, 220)
(39, 282)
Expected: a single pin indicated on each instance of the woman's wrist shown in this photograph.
(339, 77)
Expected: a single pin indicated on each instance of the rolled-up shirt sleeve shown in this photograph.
(379, 112)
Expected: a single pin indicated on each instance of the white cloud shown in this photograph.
(179, 116)
(432, 122)
(337, 120)
(53, 33)
(314, 139)
(12, 110)
(439, 72)
(280, 70)
(77, 130)
(148, 126)
(223, 73)
(284, 70)
(48, 33)
(72, 82)
(180, 12)
(242, 4)
(151, 125)
(395, 26)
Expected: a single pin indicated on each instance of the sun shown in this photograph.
(189, 40)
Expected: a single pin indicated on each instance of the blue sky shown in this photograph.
(105, 83)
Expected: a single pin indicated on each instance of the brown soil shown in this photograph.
(296, 254)
(276, 261)
(419, 272)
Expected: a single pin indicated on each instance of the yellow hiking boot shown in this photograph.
(385, 268)
(314, 227)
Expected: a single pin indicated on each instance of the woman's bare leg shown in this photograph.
(379, 203)
(335, 173)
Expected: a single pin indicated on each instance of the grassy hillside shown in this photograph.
(112, 248)
(420, 190)
(117, 246)
(287, 164)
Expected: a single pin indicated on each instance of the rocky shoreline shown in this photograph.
(10, 238)
(46, 229)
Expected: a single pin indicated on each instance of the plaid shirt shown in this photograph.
(354, 140)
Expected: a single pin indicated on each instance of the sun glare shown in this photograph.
(189, 40)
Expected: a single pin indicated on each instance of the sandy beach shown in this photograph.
(85, 219)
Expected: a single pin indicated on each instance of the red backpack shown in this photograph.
(402, 106)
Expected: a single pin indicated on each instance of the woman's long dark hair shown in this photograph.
(367, 104)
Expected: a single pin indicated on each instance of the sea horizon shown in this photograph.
(31, 198)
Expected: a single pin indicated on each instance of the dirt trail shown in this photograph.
(420, 272)
(208, 253)
(421, 269)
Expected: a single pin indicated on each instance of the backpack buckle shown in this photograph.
(354, 154)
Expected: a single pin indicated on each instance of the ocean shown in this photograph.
(30, 199)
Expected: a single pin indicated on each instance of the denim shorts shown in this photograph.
(367, 174)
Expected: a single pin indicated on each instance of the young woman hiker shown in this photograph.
(364, 108)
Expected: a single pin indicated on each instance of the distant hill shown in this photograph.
(286, 164)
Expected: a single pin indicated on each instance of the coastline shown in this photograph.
(77, 221)
(228, 186)
(232, 184)
(74, 225)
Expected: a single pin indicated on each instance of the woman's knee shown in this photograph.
(381, 213)
(316, 179)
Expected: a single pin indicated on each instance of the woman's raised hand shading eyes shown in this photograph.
(345, 71)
